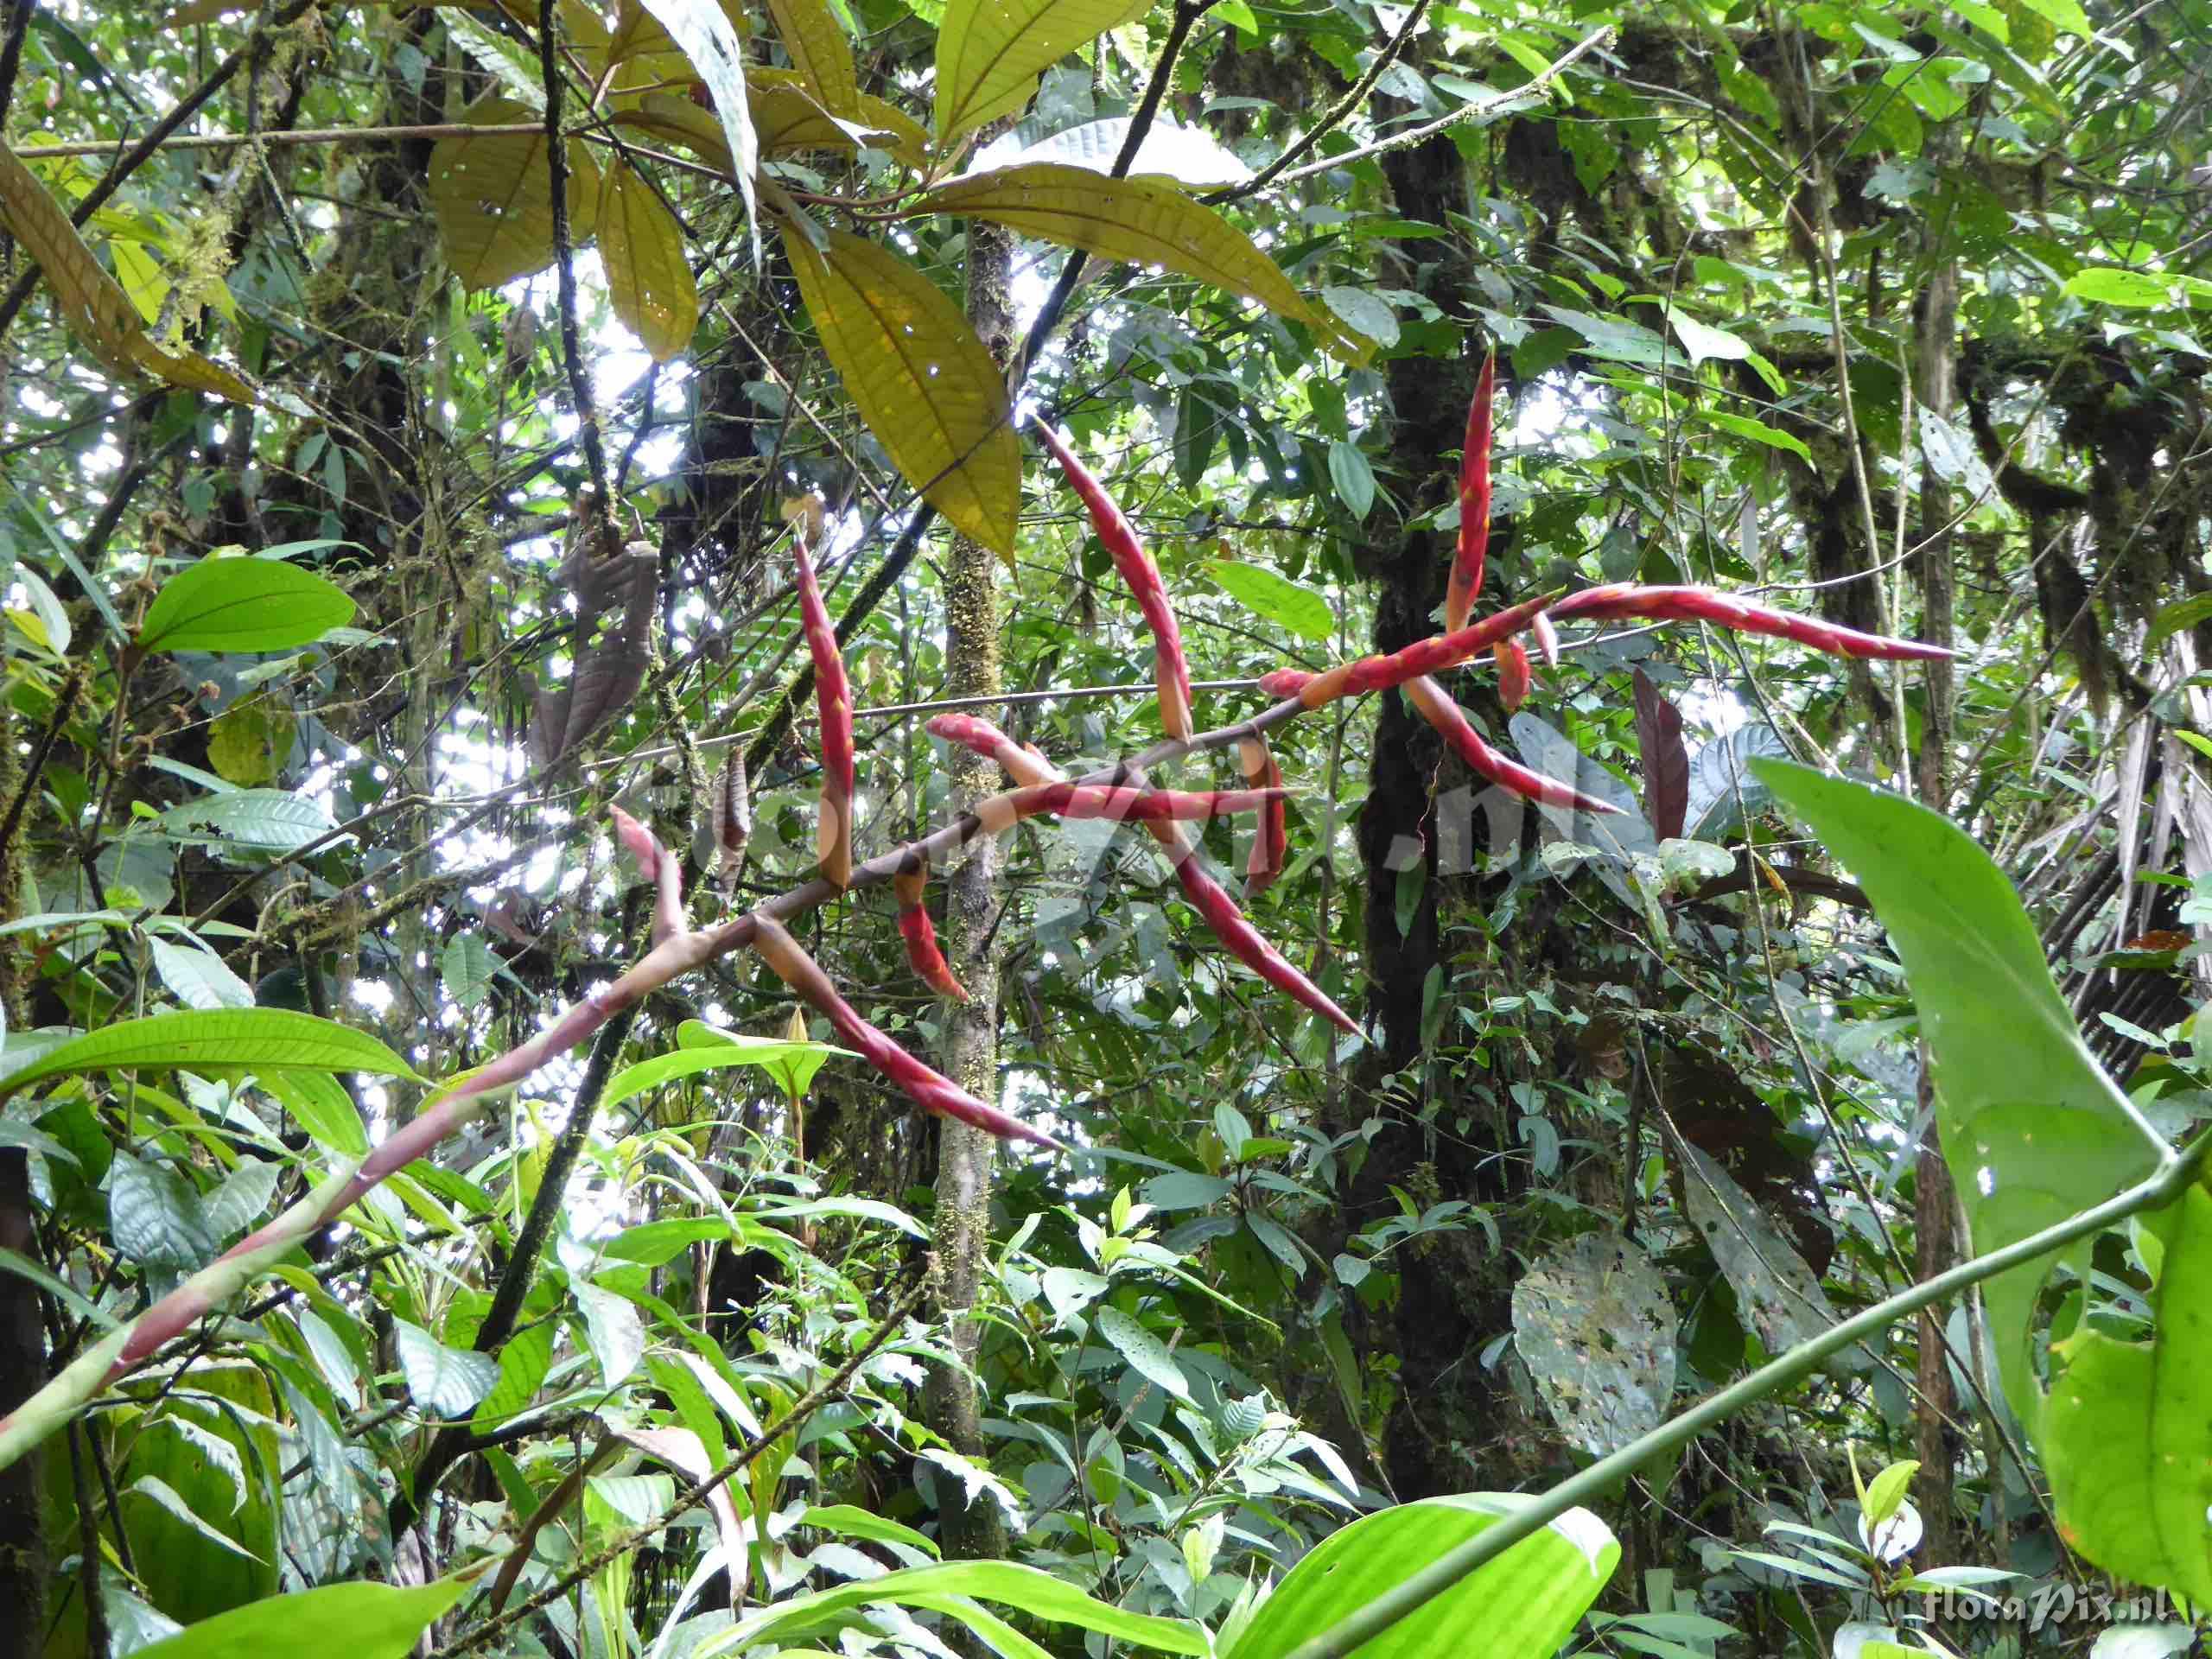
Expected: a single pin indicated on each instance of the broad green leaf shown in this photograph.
(199, 978)
(524, 1362)
(1274, 597)
(617, 1334)
(649, 280)
(260, 1039)
(160, 1492)
(2065, 14)
(675, 120)
(1777, 1296)
(2172, 619)
(2127, 1431)
(93, 303)
(2109, 285)
(243, 1198)
(494, 198)
(267, 820)
(236, 604)
(319, 1104)
(703, 32)
(443, 1381)
(1522, 1605)
(989, 52)
(1145, 222)
(1022, 1588)
(466, 965)
(1147, 1354)
(924, 383)
(819, 50)
(785, 1059)
(2032, 1128)
(361, 1621)
(155, 1217)
(1349, 471)
(510, 63)
(1704, 343)
(1371, 315)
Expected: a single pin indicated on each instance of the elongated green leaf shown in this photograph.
(2109, 285)
(319, 1104)
(260, 1039)
(494, 198)
(924, 383)
(198, 977)
(819, 51)
(649, 280)
(1147, 1354)
(853, 1522)
(236, 604)
(1523, 1604)
(1275, 598)
(1757, 431)
(2127, 1427)
(1146, 222)
(271, 820)
(2033, 1129)
(1023, 1588)
(362, 1621)
(989, 52)
(767, 1052)
(703, 32)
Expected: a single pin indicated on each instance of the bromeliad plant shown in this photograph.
(1119, 793)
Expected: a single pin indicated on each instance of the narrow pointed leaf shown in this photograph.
(274, 1040)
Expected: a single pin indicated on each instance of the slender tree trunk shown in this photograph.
(1936, 1206)
(971, 1055)
(23, 1344)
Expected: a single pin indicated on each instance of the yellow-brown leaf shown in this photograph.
(820, 52)
(1143, 220)
(921, 378)
(989, 52)
(677, 120)
(493, 200)
(648, 279)
(788, 117)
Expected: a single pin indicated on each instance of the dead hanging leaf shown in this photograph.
(494, 198)
(788, 117)
(809, 511)
(1146, 222)
(615, 594)
(732, 814)
(649, 280)
(95, 306)
(1666, 762)
(819, 52)
(921, 378)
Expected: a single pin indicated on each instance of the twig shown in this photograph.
(1344, 106)
(12, 52)
(565, 261)
(296, 136)
(65, 704)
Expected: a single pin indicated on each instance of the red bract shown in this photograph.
(1430, 656)
(922, 953)
(1170, 671)
(1271, 840)
(833, 696)
(1024, 766)
(1484, 761)
(1547, 638)
(1514, 675)
(1466, 578)
(1704, 605)
(1121, 804)
(928, 1089)
(1211, 900)
(662, 868)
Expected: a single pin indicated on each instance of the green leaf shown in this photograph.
(819, 50)
(2109, 285)
(1757, 431)
(649, 280)
(362, 1621)
(524, 1362)
(851, 1521)
(2033, 1129)
(1523, 1604)
(1364, 311)
(1276, 597)
(466, 966)
(269, 820)
(989, 52)
(199, 978)
(155, 1217)
(922, 380)
(1022, 1588)
(445, 1381)
(2064, 14)
(1147, 1354)
(784, 1061)
(1354, 478)
(617, 1334)
(262, 1040)
(2172, 619)
(240, 604)
(1141, 220)
(702, 31)
(1189, 157)
(319, 1104)
(1704, 343)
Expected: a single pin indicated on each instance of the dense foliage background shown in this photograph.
(1883, 313)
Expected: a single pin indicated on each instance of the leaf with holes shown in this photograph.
(494, 198)
(649, 280)
(921, 378)
(1592, 1322)
(1145, 1353)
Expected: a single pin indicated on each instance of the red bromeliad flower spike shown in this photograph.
(1704, 605)
(1171, 671)
(911, 885)
(1438, 708)
(1430, 656)
(657, 866)
(1211, 900)
(1271, 840)
(1474, 504)
(928, 1089)
(1024, 766)
(1514, 675)
(834, 698)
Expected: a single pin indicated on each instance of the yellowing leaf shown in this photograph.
(819, 51)
(678, 121)
(924, 384)
(787, 117)
(989, 52)
(648, 279)
(93, 303)
(709, 40)
(1141, 220)
(493, 200)
(249, 742)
